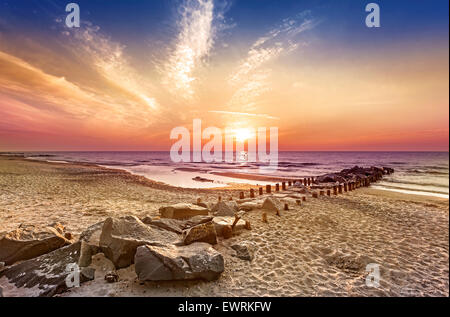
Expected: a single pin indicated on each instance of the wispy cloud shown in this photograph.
(193, 44)
(251, 77)
(245, 114)
(108, 58)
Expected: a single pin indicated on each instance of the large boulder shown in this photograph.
(223, 208)
(182, 211)
(27, 242)
(176, 225)
(205, 232)
(120, 238)
(47, 274)
(272, 204)
(221, 222)
(169, 262)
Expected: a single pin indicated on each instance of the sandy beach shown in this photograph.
(318, 248)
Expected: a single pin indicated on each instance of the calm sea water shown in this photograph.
(425, 173)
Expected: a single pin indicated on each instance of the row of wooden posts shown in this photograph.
(337, 189)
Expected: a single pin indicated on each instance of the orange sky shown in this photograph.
(100, 98)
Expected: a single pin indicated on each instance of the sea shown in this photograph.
(420, 173)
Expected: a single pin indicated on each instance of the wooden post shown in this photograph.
(304, 198)
(260, 191)
(322, 193)
(309, 181)
(277, 187)
(252, 193)
(286, 207)
(283, 185)
(268, 189)
(335, 190)
(328, 192)
(345, 187)
(340, 189)
(305, 181)
(315, 195)
(289, 183)
(241, 195)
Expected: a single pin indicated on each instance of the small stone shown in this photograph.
(244, 250)
(112, 277)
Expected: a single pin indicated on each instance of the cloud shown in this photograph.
(250, 77)
(245, 114)
(193, 44)
(108, 58)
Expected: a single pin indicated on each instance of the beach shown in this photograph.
(318, 248)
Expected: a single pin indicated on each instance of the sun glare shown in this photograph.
(243, 134)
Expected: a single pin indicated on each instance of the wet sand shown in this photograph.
(320, 248)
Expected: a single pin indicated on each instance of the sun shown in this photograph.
(243, 134)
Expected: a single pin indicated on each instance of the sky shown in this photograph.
(134, 70)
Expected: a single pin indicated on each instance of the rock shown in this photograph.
(120, 238)
(168, 224)
(244, 250)
(169, 262)
(248, 206)
(225, 208)
(88, 273)
(27, 242)
(204, 232)
(176, 225)
(2, 265)
(46, 275)
(112, 277)
(92, 246)
(221, 222)
(182, 211)
(196, 220)
(272, 204)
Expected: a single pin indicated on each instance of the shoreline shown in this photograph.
(230, 185)
(318, 248)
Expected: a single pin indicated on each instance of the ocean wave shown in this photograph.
(432, 172)
(412, 189)
(400, 181)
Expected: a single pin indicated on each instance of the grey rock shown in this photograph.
(120, 238)
(244, 250)
(165, 263)
(46, 275)
(176, 225)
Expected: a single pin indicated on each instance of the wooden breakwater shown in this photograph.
(332, 183)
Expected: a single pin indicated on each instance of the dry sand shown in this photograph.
(320, 248)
